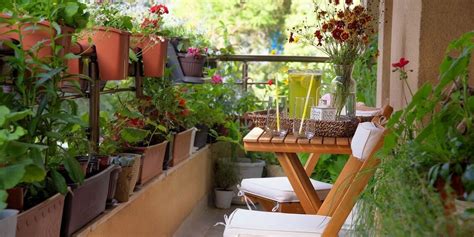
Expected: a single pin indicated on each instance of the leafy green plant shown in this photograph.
(428, 151)
(18, 160)
(225, 174)
(64, 12)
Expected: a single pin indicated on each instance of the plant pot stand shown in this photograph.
(42, 220)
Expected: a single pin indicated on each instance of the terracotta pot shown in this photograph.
(42, 220)
(127, 179)
(86, 201)
(8, 220)
(151, 162)
(191, 66)
(39, 32)
(112, 47)
(154, 54)
(16, 197)
(181, 146)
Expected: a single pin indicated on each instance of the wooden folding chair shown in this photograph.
(333, 212)
(276, 194)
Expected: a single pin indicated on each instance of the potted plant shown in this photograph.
(111, 38)
(225, 178)
(150, 39)
(205, 113)
(21, 21)
(192, 62)
(127, 179)
(427, 158)
(136, 129)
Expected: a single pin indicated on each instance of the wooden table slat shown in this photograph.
(278, 139)
(303, 141)
(266, 137)
(253, 135)
(317, 140)
(290, 138)
(329, 141)
(342, 141)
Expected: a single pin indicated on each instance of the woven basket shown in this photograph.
(345, 127)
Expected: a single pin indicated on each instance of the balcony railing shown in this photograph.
(246, 59)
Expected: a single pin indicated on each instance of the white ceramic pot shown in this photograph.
(223, 198)
(275, 171)
(8, 218)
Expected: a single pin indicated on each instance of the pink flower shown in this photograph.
(193, 52)
(216, 79)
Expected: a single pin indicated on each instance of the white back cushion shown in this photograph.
(365, 139)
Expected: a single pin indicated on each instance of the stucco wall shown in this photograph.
(419, 30)
(160, 207)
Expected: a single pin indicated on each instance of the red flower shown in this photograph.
(159, 9)
(270, 82)
(348, 2)
(182, 102)
(216, 79)
(336, 33)
(185, 112)
(344, 36)
(400, 64)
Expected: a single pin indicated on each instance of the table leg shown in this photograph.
(311, 163)
(300, 182)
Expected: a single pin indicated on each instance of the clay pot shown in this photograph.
(42, 220)
(154, 54)
(127, 178)
(151, 162)
(191, 66)
(39, 32)
(16, 197)
(86, 201)
(182, 146)
(112, 47)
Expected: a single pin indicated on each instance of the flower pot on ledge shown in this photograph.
(182, 146)
(154, 53)
(152, 161)
(8, 220)
(202, 133)
(42, 220)
(128, 178)
(86, 202)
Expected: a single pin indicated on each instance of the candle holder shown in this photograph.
(277, 116)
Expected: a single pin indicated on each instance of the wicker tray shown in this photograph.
(345, 127)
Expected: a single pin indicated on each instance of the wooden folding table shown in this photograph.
(286, 149)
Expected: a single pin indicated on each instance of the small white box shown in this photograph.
(323, 113)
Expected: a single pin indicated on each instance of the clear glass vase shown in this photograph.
(343, 90)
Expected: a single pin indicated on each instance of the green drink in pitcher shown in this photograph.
(299, 81)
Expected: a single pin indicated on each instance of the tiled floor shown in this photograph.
(201, 221)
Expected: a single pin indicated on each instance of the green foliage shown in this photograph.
(66, 12)
(431, 141)
(365, 73)
(328, 168)
(225, 174)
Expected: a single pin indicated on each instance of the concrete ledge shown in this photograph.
(161, 205)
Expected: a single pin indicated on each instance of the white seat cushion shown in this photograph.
(257, 223)
(279, 188)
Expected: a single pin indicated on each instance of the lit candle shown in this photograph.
(306, 104)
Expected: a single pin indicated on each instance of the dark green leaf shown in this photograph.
(11, 175)
(59, 182)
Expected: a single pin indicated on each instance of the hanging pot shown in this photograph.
(112, 47)
(192, 66)
(154, 53)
